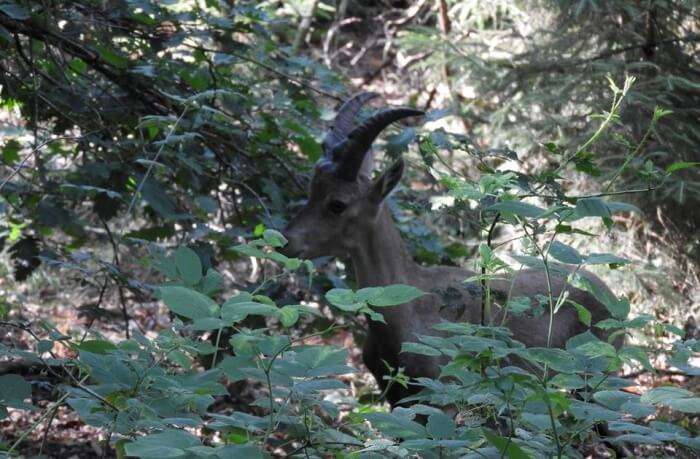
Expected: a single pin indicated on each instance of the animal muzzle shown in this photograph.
(295, 245)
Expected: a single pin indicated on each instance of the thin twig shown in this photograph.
(96, 307)
(120, 289)
(153, 162)
(483, 270)
(34, 150)
(54, 410)
(37, 422)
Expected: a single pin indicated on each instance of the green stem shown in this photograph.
(216, 347)
(618, 96)
(552, 420)
(47, 413)
(630, 156)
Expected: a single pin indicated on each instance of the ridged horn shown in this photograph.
(352, 151)
(345, 120)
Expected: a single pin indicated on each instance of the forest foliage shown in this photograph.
(150, 148)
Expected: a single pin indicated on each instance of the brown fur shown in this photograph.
(366, 233)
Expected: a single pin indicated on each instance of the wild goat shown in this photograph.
(346, 216)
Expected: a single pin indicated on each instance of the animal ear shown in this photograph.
(367, 165)
(387, 181)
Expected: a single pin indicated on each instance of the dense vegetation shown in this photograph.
(152, 151)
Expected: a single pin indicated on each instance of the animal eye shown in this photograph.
(336, 207)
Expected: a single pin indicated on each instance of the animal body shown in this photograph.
(346, 216)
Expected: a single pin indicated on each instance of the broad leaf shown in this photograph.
(673, 397)
(592, 207)
(556, 359)
(422, 349)
(167, 444)
(506, 447)
(188, 303)
(97, 346)
(565, 253)
(519, 208)
(395, 294)
(14, 390)
(395, 426)
(289, 315)
(440, 426)
(188, 265)
(235, 312)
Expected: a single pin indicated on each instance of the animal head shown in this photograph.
(344, 201)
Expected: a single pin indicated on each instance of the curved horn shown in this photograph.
(352, 151)
(344, 120)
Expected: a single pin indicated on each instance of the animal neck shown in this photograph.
(380, 257)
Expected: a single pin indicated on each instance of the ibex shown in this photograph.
(346, 216)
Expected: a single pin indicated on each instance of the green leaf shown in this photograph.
(505, 446)
(112, 58)
(604, 259)
(44, 345)
(97, 346)
(613, 399)
(274, 238)
(344, 299)
(188, 303)
(520, 208)
(540, 421)
(397, 144)
(289, 315)
(315, 385)
(556, 359)
(636, 439)
(77, 65)
(592, 207)
(16, 12)
(565, 253)
(208, 323)
(615, 206)
(14, 390)
(619, 308)
(207, 204)
(660, 112)
(569, 382)
(596, 348)
(158, 199)
(638, 354)
(167, 444)
(367, 294)
(679, 399)
(395, 294)
(440, 426)
(519, 305)
(309, 146)
(680, 165)
(235, 312)
(189, 266)
(10, 152)
(584, 315)
(396, 426)
(249, 250)
(235, 367)
(418, 348)
(373, 315)
(591, 412)
(212, 282)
